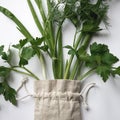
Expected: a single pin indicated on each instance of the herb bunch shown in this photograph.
(86, 16)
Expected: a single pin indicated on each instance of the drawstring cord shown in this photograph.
(23, 84)
(83, 94)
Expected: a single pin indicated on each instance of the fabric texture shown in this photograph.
(57, 100)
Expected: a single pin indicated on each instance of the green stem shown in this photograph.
(21, 72)
(75, 38)
(51, 34)
(72, 56)
(86, 74)
(42, 60)
(78, 63)
(87, 41)
(32, 74)
(58, 54)
(74, 70)
(28, 72)
(38, 24)
(49, 29)
(40, 6)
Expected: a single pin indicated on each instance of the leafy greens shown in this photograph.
(86, 17)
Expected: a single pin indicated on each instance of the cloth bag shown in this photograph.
(57, 100)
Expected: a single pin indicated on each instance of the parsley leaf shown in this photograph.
(6, 56)
(104, 71)
(71, 51)
(21, 44)
(8, 93)
(98, 49)
(26, 54)
(4, 71)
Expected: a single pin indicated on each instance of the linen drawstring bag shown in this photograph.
(57, 99)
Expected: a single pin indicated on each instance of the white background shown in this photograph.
(103, 100)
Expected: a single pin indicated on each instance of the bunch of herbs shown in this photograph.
(86, 16)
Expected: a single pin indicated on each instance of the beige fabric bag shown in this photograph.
(57, 100)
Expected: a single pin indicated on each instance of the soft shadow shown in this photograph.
(115, 83)
(102, 35)
(112, 2)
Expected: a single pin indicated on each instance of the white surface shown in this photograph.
(103, 100)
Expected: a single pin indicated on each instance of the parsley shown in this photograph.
(5, 90)
(8, 93)
(101, 60)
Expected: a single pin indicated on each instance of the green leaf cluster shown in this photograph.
(6, 56)
(8, 93)
(81, 13)
(71, 51)
(101, 60)
(28, 48)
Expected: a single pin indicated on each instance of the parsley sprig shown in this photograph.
(101, 61)
(86, 17)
